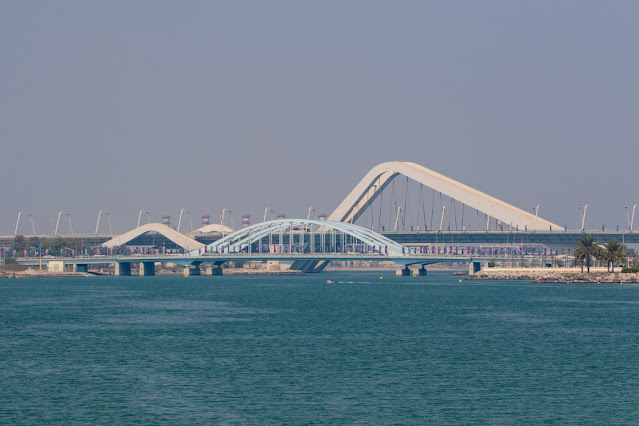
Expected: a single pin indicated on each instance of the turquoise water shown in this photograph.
(291, 349)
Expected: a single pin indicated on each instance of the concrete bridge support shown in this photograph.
(423, 272)
(192, 271)
(122, 268)
(147, 269)
(403, 271)
(214, 270)
(474, 267)
(80, 267)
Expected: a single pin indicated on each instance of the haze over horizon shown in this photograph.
(161, 106)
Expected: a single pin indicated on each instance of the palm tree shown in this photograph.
(615, 252)
(587, 248)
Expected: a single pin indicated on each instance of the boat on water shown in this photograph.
(330, 281)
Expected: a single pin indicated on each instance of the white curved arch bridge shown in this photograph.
(381, 176)
(302, 236)
(309, 245)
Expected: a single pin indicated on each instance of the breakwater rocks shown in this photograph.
(557, 277)
(42, 274)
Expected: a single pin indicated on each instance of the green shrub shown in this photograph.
(630, 270)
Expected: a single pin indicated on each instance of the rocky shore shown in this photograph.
(544, 276)
(42, 274)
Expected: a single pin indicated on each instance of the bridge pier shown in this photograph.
(122, 269)
(147, 269)
(80, 267)
(423, 271)
(402, 271)
(474, 267)
(192, 271)
(214, 270)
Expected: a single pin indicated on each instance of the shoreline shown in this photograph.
(556, 276)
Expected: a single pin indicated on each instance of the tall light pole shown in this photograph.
(140, 216)
(397, 217)
(32, 225)
(180, 220)
(223, 219)
(308, 217)
(58, 222)
(536, 209)
(109, 222)
(630, 221)
(265, 212)
(17, 223)
(98, 223)
(488, 216)
(583, 219)
(70, 226)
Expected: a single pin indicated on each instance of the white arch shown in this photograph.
(253, 233)
(367, 190)
(170, 233)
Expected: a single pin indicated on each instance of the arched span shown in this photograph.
(381, 175)
(312, 229)
(170, 233)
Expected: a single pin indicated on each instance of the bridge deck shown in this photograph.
(209, 259)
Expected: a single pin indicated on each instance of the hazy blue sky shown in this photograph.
(204, 105)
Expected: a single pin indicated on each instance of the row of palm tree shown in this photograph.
(588, 248)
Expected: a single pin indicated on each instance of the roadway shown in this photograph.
(551, 239)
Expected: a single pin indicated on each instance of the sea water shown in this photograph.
(293, 349)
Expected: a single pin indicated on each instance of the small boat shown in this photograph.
(330, 281)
